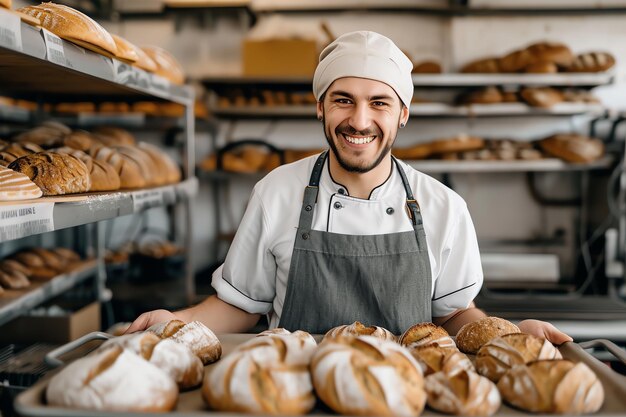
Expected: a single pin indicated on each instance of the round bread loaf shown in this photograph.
(13, 151)
(195, 335)
(368, 376)
(542, 67)
(419, 151)
(464, 393)
(54, 173)
(114, 379)
(113, 136)
(499, 355)
(573, 147)
(103, 176)
(424, 334)
(175, 359)
(473, 335)
(48, 134)
(128, 169)
(151, 174)
(427, 67)
(300, 334)
(458, 143)
(266, 375)
(359, 329)
(552, 386)
(434, 359)
(487, 95)
(17, 186)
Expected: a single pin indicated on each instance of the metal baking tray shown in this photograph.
(31, 403)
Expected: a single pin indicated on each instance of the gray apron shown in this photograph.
(335, 279)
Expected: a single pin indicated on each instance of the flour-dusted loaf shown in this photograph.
(167, 66)
(17, 186)
(552, 386)
(502, 353)
(424, 334)
(464, 393)
(368, 376)
(195, 335)
(473, 335)
(113, 379)
(72, 25)
(266, 375)
(175, 359)
(359, 329)
(433, 358)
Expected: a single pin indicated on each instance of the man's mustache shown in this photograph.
(350, 131)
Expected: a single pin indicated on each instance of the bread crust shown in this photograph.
(425, 334)
(54, 173)
(17, 186)
(473, 335)
(359, 329)
(573, 147)
(125, 50)
(464, 393)
(167, 66)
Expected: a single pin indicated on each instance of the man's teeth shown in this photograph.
(359, 141)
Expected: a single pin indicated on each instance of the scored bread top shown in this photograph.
(17, 186)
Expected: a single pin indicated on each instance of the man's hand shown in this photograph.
(148, 319)
(544, 329)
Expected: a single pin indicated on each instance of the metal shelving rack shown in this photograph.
(41, 67)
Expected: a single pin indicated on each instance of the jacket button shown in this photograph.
(337, 205)
(308, 207)
(341, 191)
(305, 236)
(390, 210)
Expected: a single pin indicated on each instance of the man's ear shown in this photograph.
(320, 110)
(404, 115)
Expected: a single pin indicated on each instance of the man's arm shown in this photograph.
(214, 313)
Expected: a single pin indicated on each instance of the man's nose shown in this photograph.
(360, 119)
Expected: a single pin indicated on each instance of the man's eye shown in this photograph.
(379, 103)
(342, 101)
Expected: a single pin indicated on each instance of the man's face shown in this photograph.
(361, 119)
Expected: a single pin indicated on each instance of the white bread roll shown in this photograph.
(463, 394)
(114, 379)
(368, 376)
(266, 375)
(504, 352)
(17, 186)
(195, 335)
(359, 329)
(424, 334)
(552, 386)
(176, 359)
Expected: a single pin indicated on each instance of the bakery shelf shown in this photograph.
(14, 303)
(34, 76)
(479, 80)
(323, 5)
(61, 212)
(541, 165)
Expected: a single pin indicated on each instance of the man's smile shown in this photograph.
(358, 140)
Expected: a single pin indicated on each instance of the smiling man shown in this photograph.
(351, 234)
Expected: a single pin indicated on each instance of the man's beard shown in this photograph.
(345, 129)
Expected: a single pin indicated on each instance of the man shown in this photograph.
(351, 234)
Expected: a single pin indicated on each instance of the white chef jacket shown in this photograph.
(254, 275)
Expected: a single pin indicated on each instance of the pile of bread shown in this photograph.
(75, 27)
(53, 159)
(543, 58)
(150, 108)
(570, 147)
(355, 370)
(267, 98)
(543, 97)
(252, 158)
(37, 264)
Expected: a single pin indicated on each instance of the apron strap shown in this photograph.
(310, 194)
(414, 208)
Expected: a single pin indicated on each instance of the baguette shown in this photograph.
(125, 50)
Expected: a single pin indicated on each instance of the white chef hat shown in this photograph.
(364, 54)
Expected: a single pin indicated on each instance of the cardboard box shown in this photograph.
(61, 329)
(280, 57)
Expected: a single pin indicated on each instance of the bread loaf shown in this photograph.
(127, 169)
(487, 95)
(125, 50)
(541, 96)
(79, 139)
(113, 136)
(48, 134)
(592, 62)
(13, 151)
(103, 176)
(68, 255)
(368, 376)
(425, 334)
(54, 173)
(17, 186)
(113, 379)
(464, 393)
(266, 375)
(458, 143)
(552, 386)
(418, 151)
(148, 169)
(42, 268)
(163, 162)
(6, 4)
(167, 66)
(73, 26)
(542, 67)
(13, 279)
(427, 67)
(300, 334)
(13, 265)
(143, 60)
(487, 66)
(434, 359)
(195, 335)
(573, 147)
(359, 329)
(499, 355)
(473, 335)
(175, 359)
(550, 52)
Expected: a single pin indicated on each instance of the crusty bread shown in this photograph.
(458, 143)
(433, 358)
(487, 95)
(47, 135)
(5, 3)
(113, 136)
(67, 254)
(54, 173)
(73, 26)
(486, 65)
(13, 279)
(176, 359)
(541, 96)
(418, 151)
(427, 67)
(113, 379)
(424, 334)
(79, 139)
(13, 265)
(128, 169)
(499, 355)
(572, 147)
(148, 169)
(300, 334)
(164, 163)
(195, 335)
(542, 67)
(17, 186)
(103, 176)
(553, 386)
(556, 53)
(592, 62)
(464, 393)
(473, 335)
(42, 265)
(125, 50)
(143, 60)
(359, 329)
(368, 376)
(167, 66)
(266, 375)
(13, 151)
